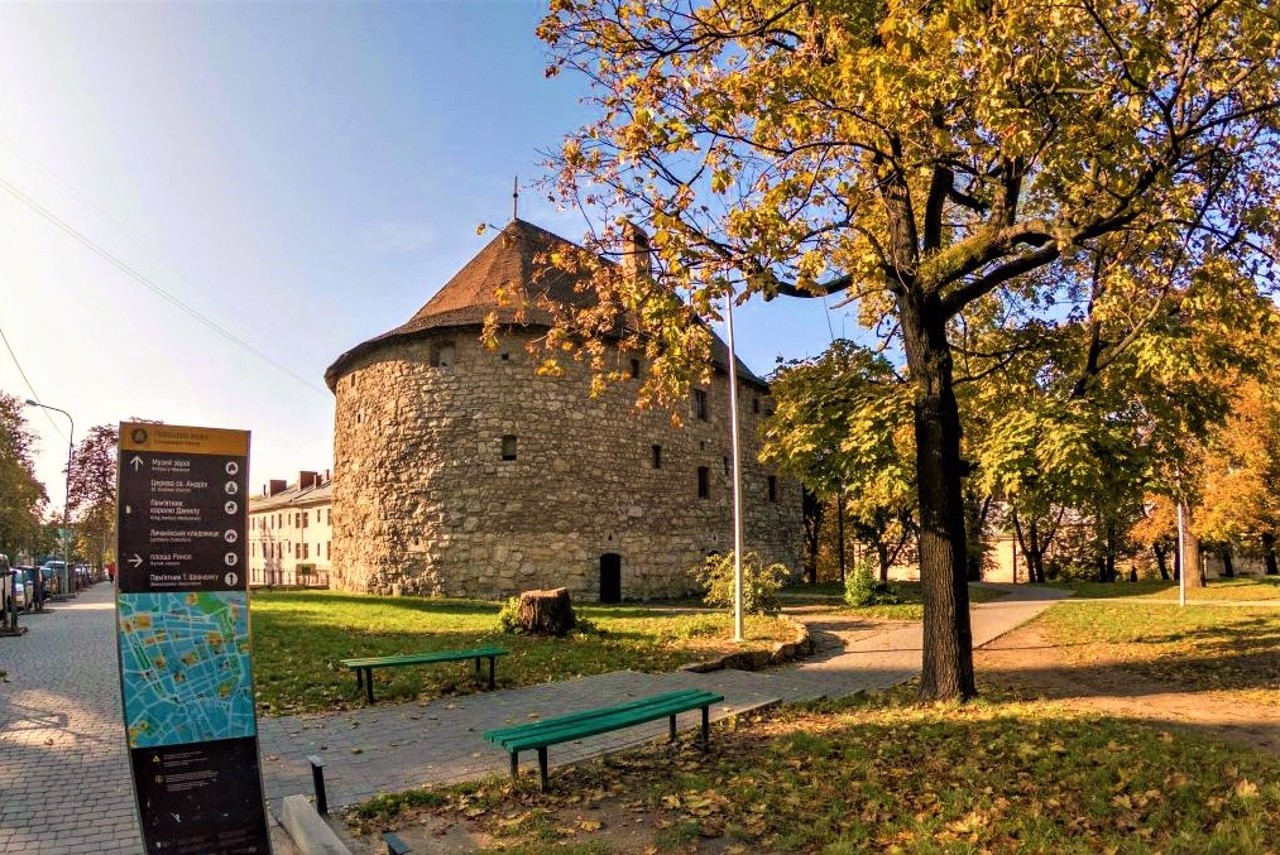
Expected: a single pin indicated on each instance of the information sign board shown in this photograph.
(183, 632)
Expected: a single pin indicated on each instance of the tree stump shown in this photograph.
(546, 612)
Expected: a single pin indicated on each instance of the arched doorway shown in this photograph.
(611, 578)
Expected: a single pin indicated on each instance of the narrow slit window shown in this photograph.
(700, 404)
(657, 457)
(509, 447)
(773, 488)
(704, 482)
(635, 369)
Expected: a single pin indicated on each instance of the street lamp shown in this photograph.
(66, 498)
(737, 476)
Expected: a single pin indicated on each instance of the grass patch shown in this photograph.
(299, 637)
(1236, 588)
(1197, 648)
(911, 595)
(888, 775)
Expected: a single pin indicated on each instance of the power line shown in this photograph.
(27, 380)
(152, 286)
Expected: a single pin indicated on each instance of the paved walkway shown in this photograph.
(64, 776)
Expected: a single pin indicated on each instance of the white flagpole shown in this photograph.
(737, 477)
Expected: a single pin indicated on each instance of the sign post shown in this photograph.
(182, 625)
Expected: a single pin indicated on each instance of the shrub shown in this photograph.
(509, 617)
(861, 588)
(760, 583)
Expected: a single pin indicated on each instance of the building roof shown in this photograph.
(293, 496)
(508, 262)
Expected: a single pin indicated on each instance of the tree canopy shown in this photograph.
(1089, 180)
(22, 496)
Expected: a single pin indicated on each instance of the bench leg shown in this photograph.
(359, 680)
(491, 659)
(542, 767)
(706, 728)
(671, 728)
(368, 685)
(515, 765)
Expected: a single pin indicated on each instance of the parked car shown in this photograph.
(54, 574)
(24, 582)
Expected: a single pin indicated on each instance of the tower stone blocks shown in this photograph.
(459, 471)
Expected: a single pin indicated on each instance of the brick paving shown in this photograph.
(64, 774)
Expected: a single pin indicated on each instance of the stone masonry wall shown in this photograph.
(425, 504)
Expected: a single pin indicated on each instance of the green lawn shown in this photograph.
(1237, 588)
(885, 775)
(1196, 647)
(300, 636)
(911, 606)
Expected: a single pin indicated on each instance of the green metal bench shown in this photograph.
(364, 667)
(566, 728)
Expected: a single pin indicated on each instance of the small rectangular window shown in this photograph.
(700, 404)
(635, 368)
(755, 405)
(657, 457)
(509, 447)
(327, 544)
(773, 488)
(728, 466)
(305, 515)
(704, 482)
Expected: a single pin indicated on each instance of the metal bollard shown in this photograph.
(317, 779)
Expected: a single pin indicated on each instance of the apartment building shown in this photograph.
(290, 527)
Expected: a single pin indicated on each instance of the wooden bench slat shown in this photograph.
(566, 728)
(364, 667)
(425, 657)
(515, 730)
(569, 731)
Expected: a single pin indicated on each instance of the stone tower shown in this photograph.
(461, 472)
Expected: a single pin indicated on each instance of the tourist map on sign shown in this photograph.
(186, 678)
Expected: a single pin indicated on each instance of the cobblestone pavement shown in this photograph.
(64, 774)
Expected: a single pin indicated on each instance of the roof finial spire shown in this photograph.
(515, 198)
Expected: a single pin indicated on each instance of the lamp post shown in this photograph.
(66, 499)
(737, 477)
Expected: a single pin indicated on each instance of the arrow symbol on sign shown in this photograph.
(136, 561)
(136, 463)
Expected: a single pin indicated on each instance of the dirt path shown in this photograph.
(1027, 662)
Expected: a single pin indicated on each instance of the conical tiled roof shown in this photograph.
(508, 262)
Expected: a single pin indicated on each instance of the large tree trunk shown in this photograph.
(1269, 554)
(812, 505)
(1228, 568)
(1191, 546)
(947, 668)
(546, 612)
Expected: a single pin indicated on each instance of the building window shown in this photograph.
(635, 369)
(509, 447)
(700, 404)
(305, 520)
(755, 405)
(773, 488)
(505, 356)
(327, 545)
(657, 457)
(442, 355)
(704, 482)
(728, 467)
(306, 550)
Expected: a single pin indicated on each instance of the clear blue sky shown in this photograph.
(304, 175)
